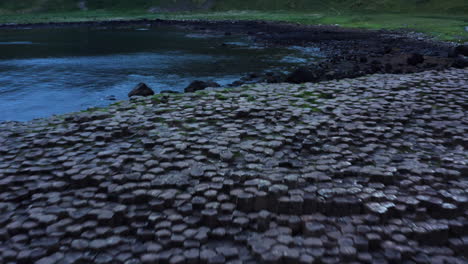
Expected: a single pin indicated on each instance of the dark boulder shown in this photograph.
(237, 83)
(387, 50)
(141, 90)
(415, 59)
(302, 75)
(254, 75)
(271, 77)
(460, 63)
(461, 50)
(168, 92)
(388, 67)
(200, 85)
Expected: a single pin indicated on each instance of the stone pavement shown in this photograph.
(366, 170)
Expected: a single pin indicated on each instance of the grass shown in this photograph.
(304, 105)
(250, 98)
(441, 26)
(221, 97)
(305, 94)
(158, 120)
(188, 106)
(325, 96)
(200, 93)
(447, 7)
(159, 98)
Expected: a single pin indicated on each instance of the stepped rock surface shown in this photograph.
(365, 170)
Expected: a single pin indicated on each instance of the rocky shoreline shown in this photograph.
(366, 170)
(349, 52)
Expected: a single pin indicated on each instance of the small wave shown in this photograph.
(202, 36)
(315, 51)
(16, 43)
(237, 43)
(291, 59)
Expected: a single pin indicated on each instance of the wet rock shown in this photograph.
(236, 83)
(415, 59)
(460, 63)
(169, 92)
(461, 50)
(354, 171)
(271, 77)
(111, 98)
(200, 85)
(141, 90)
(313, 229)
(302, 75)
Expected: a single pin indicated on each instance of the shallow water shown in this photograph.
(54, 71)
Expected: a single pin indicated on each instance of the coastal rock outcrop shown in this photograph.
(302, 75)
(460, 62)
(457, 51)
(364, 170)
(169, 92)
(415, 59)
(200, 85)
(461, 50)
(141, 90)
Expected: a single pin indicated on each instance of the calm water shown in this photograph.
(53, 71)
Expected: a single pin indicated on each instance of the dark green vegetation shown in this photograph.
(339, 6)
(443, 19)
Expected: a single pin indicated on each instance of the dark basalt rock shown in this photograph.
(168, 92)
(141, 90)
(415, 59)
(302, 75)
(273, 77)
(460, 63)
(461, 50)
(111, 98)
(200, 85)
(236, 83)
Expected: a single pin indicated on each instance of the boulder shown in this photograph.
(302, 75)
(460, 63)
(141, 90)
(273, 77)
(200, 85)
(387, 50)
(254, 75)
(237, 83)
(415, 59)
(168, 92)
(462, 50)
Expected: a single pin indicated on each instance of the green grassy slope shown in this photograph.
(420, 6)
(438, 6)
(444, 19)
